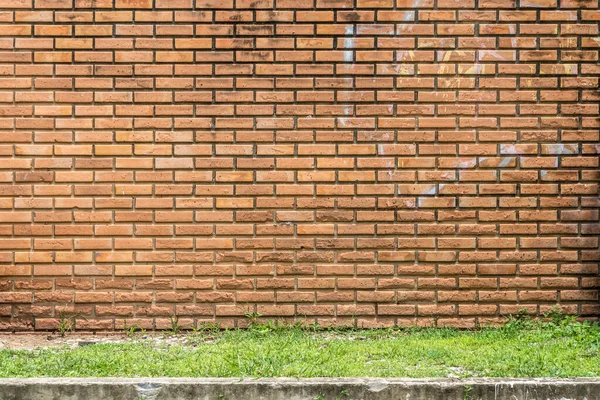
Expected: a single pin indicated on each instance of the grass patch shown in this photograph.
(521, 348)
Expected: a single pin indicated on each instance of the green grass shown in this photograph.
(562, 348)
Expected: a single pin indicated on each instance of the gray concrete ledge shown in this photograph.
(298, 389)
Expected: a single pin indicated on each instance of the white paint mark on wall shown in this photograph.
(432, 191)
(349, 44)
(505, 161)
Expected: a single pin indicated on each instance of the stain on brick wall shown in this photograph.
(375, 162)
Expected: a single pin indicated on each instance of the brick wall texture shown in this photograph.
(375, 162)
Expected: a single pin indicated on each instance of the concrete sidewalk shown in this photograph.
(297, 389)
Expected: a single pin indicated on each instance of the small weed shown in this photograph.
(274, 325)
(132, 330)
(66, 323)
(313, 327)
(517, 321)
(320, 396)
(467, 393)
(253, 317)
(175, 327)
(207, 328)
(64, 326)
(556, 316)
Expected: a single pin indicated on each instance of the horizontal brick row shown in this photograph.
(363, 162)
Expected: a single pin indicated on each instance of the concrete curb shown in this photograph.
(298, 389)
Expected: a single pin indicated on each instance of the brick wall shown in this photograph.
(387, 162)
